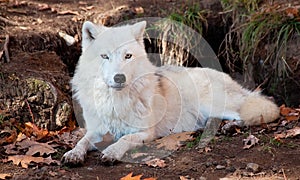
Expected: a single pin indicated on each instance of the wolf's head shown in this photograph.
(118, 52)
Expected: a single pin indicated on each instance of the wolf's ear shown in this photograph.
(138, 30)
(89, 33)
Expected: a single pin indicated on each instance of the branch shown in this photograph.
(5, 48)
(6, 21)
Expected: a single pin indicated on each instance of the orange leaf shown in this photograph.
(292, 118)
(12, 137)
(129, 177)
(5, 176)
(292, 12)
(289, 133)
(38, 132)
(156, 163)
(285, 110)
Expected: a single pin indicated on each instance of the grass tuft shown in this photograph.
(258, 39)
(178, 35)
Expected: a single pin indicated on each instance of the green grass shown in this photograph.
(3, 116)
(194, 17)
(271, 29)
(274, 142)
(245, 6)
(194, 143)
(1, 119)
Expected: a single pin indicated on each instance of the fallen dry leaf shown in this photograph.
(39, 133)
(5, 176)
(25, 160)
(43, 7)
(8, 136)
(21, 137)
(289, 133)
(138, 177)
(184, 178)
(292, 117)
(130, 177)
(139, 10)
(87, 8)
(207, 149)
(159, 148)
(292, 12)
(174, 141)
(52, 173)
(156, 163)
(290, 114)
(284, 110)
(41, 149)
(71, 138)
(11, 149)
(32, 146)
(36, 147)
(250, 141)
(68, 12)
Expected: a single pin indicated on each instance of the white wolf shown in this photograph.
(122, 93)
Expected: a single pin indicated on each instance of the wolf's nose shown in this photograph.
(119, 78)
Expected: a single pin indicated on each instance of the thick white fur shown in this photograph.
(155, 101)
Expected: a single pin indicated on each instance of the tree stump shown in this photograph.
(35, 87)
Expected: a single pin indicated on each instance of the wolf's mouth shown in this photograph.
(118, 87)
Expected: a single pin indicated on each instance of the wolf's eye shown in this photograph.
(128, 56)
(104, 56)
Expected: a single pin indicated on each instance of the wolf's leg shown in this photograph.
(77, 154)
(125, 143)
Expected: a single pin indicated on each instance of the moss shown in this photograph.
(36, 85)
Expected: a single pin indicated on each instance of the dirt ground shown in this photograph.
(225, 156)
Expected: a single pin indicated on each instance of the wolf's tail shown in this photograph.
(257, 109)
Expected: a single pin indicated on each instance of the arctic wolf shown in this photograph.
(122, 93)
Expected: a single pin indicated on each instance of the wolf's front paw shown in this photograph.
(112, 153)
(74, 157)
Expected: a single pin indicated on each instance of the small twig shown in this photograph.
(31, 114)
(6, 21)
(258, 88)
(284, 176)
(5, 48)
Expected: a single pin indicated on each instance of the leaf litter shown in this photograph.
(33, 144)
(36, 145)
(25, 160)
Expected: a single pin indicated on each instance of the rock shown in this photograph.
(220, 167)
(230, 169)
(215, 163)
(208, 164)
(253, 167)
(202, 178)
